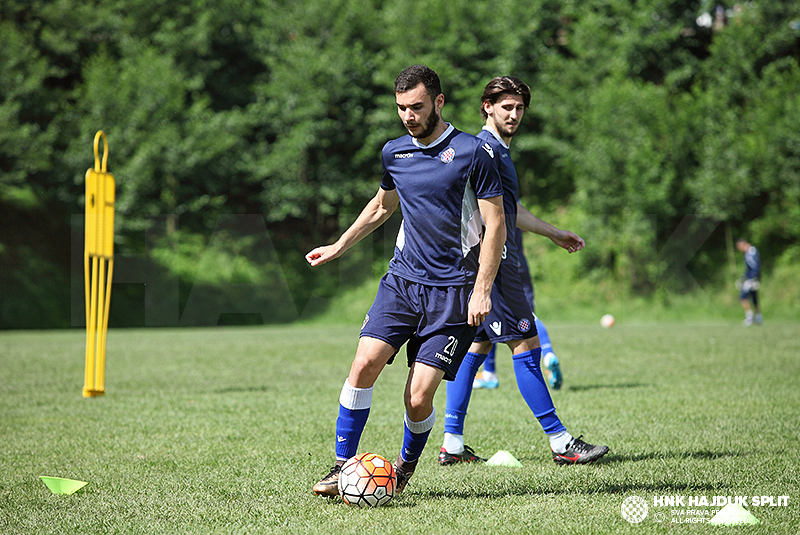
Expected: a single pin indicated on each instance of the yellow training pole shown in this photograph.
(98, 261)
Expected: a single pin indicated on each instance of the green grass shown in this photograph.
(225, 430)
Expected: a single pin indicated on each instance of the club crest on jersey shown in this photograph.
(524, 325)
(448, 155)
(488, 149)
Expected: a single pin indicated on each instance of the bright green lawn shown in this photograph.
(225, 430)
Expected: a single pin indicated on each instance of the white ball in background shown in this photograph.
(607, 321)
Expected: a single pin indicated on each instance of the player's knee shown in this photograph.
(481, 348)
(364, 371)
(419, 405)
(523, 346)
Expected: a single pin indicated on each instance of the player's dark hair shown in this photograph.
(415, 75)
(501, 85)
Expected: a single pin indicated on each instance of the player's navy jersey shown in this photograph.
(439, 185)
(508, 176)
(752, 263)
(524, 270)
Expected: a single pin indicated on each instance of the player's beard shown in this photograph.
(506, 131)
(430, 126)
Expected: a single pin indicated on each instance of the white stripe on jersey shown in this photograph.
(401, 236)
(471, 222)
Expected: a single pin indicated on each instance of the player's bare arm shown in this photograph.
(494, 237)
(374, 214)
(563, 238)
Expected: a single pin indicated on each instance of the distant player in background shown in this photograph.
(749, 282)
(551, 367)
(438, 286)
(511, 319)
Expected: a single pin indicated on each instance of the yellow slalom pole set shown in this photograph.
(98, 265)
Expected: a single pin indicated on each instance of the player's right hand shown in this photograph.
(321, 255)
(479, 306)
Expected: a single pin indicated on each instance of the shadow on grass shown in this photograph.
(636, 457)
(665, 487)
(525, 489)
(581, 388)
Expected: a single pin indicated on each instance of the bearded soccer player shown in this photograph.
(438, 287)
(511, 319)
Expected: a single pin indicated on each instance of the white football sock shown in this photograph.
(355, 398)
(420, 427)
(453, 443)
(559, 442)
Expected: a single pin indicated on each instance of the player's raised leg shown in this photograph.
(488, 379)
(552, 367)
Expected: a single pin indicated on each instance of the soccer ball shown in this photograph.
(367, 480)
(607, 321)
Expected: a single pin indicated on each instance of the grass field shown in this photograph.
(225, 430)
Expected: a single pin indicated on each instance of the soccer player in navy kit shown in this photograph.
(550, 364)
(438, 287)
(750, 282)
(511, 319)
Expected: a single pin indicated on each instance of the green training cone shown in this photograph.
(59, 485)
(733, 514)
(503, 458)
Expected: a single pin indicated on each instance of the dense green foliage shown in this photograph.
(666, 137)
(224, 430)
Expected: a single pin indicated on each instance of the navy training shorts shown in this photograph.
(511, 317)
(432, 319)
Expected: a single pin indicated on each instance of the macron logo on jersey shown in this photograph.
(403, 155)
(488, 150)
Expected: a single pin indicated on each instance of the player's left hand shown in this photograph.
(569, 241)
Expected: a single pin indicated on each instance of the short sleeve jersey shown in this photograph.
(508, 177)
(438, 185)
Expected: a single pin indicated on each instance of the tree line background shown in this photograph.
(671, 123)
